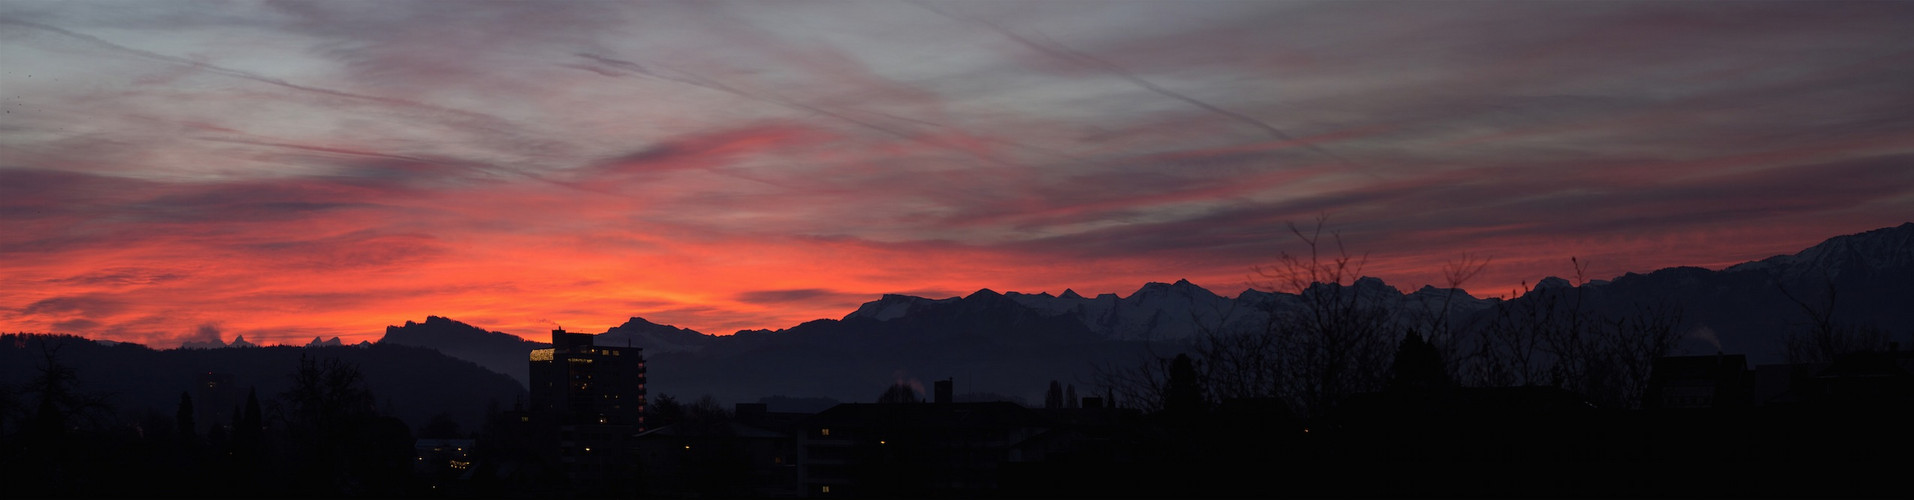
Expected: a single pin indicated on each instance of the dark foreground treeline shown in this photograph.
(1838, 429)
(1501, 443)
(85, 419)
(1403, 442)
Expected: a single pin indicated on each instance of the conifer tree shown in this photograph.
(184, 417)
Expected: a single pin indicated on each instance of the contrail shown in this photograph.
(494, 126)
(221, 70)
(1058, 50)
(696, 80)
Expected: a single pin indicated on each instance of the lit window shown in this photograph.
(823, 432)
(826, 489)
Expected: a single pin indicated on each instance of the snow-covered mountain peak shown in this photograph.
(1890, 247)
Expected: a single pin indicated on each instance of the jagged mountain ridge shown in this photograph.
(1178, 311)
(1740, 309)
(655, 338)
(497, 351)
(1885, 248)
(997, 342)
(506, 353)
(1866, 278)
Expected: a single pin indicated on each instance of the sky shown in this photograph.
(180, 171)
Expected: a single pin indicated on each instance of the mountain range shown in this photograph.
(996, 345)
(1015, 343)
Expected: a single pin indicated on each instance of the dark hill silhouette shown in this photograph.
(411, 383)
(506, 353)
(499, 352)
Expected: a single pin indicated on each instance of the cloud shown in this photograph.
(297, 169)
(206, 336)
(75, 325)
(353, 250)
(711, 151)
(83, 305)
(123, 276)
(799, 295)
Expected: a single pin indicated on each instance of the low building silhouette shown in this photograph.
(1718, 381)
(750, 453)
(441, 458)
(916, 449)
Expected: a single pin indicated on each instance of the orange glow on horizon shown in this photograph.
(330, 170)
(525, 286)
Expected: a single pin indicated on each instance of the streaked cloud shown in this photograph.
(285, 170)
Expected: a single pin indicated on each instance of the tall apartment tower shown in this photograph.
(588, 401)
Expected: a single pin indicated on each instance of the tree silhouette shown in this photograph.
(713, 460)
(1826, 338)
(1436, 324)
(663, 410)
(1138, 385)
(10, 408)
(1417, 365)
(59, 404)
(441, 426)
(1325, 338)
(343, 446)
(1184, 396)
(1338, 341)
(1507, 349)
(1630, 348)
(899, 393)
(1053, 398)
(184, 417)
(248, 444)
(248, 430)
(48, 436)
(1553, 334)
(707, 409)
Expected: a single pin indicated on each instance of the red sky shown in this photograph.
(171, 172)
